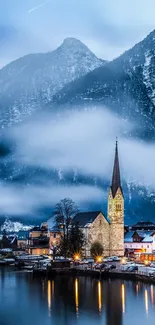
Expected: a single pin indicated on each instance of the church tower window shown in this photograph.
(118, 207)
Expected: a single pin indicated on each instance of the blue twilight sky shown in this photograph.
(107, 27)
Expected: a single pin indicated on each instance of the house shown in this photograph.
(142, 241)
(55, 236)
(109, 231)
(22, 239)
(38, 242)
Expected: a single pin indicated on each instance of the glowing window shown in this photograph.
(118, 207)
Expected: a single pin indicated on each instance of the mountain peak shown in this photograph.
(36, 78)
(74, 43)
(71, 41)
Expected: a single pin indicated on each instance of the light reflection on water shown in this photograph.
(99, 297)
(123, 298)
(50, 294)
(146, 301)
(73, 301)
(76, 296)
(137, 288)
(152, 294)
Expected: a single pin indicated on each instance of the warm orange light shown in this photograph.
(123, 298)
(99, 259)
(99, 296)
(146, 262)
(76, 257)
(49, 296)
(76, 296)
(123, 260)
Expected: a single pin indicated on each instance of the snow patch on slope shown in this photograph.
(147, 76)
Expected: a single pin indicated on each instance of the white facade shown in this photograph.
(146, 246)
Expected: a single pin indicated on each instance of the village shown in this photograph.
(84, 238)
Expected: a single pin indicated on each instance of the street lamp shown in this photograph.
(99, 259)
(76, 257)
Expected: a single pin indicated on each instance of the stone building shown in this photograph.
(95, 228)
(107, 230)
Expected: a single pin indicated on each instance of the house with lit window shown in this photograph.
(56, 235)
(38, 242)
(139, 241)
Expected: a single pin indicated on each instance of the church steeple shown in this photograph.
(116, 211)
(116, 180)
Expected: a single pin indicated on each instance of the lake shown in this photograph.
(25, 300)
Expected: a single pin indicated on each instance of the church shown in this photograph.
(109, 231)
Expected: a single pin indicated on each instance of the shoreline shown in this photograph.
(94, 274)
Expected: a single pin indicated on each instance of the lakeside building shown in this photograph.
(109, 231)
(55, 236)
(38, 242)
(139, 241)
(22, 239)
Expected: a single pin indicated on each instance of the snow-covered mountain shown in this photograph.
(14, 226)
(30, 82)
(73, 74)
(126, 85)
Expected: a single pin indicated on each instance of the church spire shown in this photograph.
(116, 180)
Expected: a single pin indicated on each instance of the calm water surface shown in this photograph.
(73, 301)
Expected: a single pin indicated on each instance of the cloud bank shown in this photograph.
(71, 154)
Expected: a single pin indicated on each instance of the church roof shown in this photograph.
(83, 218)
(116, 179)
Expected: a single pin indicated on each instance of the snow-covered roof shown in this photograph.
(147, 239)
(128, 238)
(51, 222)
(144, 233)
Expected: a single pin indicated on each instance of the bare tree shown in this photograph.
(64, 211)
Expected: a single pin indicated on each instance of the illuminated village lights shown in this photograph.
(77, 257)
(146, 262)
(123, 260)
(99, 259)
